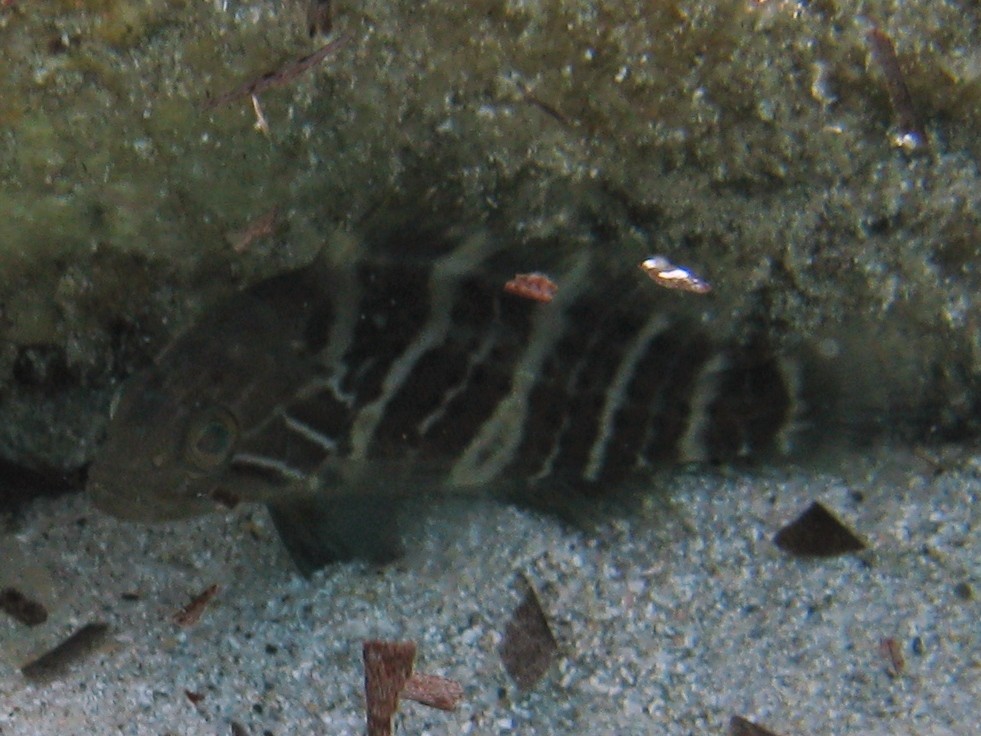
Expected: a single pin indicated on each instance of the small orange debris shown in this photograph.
(535, 286)
(261, 227)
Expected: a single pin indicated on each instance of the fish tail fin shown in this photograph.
(862, 387)
(817, 401)
(811, 405)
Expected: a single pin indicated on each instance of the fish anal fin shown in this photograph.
(321, 530)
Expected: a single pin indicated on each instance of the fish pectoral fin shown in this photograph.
(321, 530)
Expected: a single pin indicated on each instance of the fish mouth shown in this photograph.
(132, 500)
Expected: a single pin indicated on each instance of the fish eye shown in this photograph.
(209, 439)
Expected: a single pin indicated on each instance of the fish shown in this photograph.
(333, 391)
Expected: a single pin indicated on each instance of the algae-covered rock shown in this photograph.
(750, 140)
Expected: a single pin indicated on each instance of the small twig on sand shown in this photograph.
(189, 614)
(278, 77)
(891, 652)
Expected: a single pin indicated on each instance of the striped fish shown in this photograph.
(330, 391)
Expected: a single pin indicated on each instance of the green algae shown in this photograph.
(750, 140)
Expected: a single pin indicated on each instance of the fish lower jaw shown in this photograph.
(142, 509)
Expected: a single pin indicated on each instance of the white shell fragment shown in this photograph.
(664, 273)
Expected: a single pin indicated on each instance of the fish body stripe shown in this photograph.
(617, 394)
(432, 366)
(394, 310)
(326, 443)
(279, 472)
(691, 446)
(476, 357)
(498, 438)
(441, 291)
(507, 325)
(791, 424)
(677, 370)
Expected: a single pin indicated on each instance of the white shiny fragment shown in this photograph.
(662, 271)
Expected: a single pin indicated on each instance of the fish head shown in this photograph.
(174, 428)
(165, 451)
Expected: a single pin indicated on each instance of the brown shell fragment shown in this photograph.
(664, 273)
(189, 614)
(535, 286)
(891, 652)
(741, 727)
(434, 691)
(193, 696)
(817, 533)
(387, 667)
(529, 647)
(25, 610)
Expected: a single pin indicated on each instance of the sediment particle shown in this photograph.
(817, 533)
(528, 647)
(58, 661)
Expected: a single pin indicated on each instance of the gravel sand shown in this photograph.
(670, 619)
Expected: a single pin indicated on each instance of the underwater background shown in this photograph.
(765, 144)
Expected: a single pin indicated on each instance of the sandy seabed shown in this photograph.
(669, 620)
